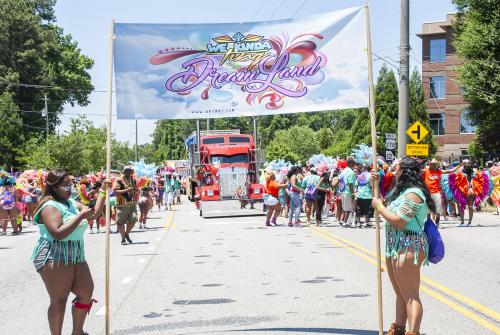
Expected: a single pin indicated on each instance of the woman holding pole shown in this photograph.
(406, 243)
(59, 255)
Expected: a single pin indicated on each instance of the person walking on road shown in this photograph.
(145, 205)
(8, 200)
(310, 184)
(432, 178)
(406, 242)
(169, 191)
(294, 191)
(126, 203)
(364, 197)
(347, 178)
(271, 199)
(59, 255)
(322, 189)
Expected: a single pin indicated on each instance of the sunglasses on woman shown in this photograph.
(65, 188)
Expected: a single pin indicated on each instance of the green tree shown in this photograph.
(418, 108)
(325, 138)
(11, 131)
(477, 41)
(341, 146)
(35, 51)
(80, 150)
(299, 140)
(169, 137)
(361, 129)
(386, 101)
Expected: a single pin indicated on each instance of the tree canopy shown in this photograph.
(477, 41)
(37, 58)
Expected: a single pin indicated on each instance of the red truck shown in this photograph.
(224, 168)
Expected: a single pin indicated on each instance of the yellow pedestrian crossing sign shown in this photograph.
(417, 132)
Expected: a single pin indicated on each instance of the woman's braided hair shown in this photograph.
(411, 176)
(54, 178)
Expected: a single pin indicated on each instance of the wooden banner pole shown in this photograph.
(108, 171)
(374, 154)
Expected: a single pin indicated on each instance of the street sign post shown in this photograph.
(417, 150)
(417, 132)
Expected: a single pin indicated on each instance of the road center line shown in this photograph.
(435, 285)
(348, 245)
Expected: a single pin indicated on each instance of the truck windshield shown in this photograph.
(221, 159)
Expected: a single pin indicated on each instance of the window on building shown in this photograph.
(437, 50)
(438, 87)
(437, 123)
(466, 125)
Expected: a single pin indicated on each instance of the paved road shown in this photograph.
(188, 275)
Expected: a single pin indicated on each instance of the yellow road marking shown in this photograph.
(348, 245)
(448, 291)
(486, 324)
(348, 248)
(168, 222)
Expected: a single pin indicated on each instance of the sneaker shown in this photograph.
(273, 221)
(124, 242)
(128, 238)
(140, 226)
(268, 224)
(290, 224)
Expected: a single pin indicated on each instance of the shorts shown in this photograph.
(438, 201)
(126, 214)
(177, 193)
(347, 202)
(56, 253)
(168, 198)
(365, 207)
(282, 199)
(269, 200)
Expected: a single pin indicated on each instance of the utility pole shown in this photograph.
(46, 111)
(136, 143)
(208, 126)
(404, 74)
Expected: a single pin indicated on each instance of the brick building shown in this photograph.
(443, 94)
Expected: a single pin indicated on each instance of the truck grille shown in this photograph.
(233, 183)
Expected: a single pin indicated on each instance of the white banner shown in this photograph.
(193, 71)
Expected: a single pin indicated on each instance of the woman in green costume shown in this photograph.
(406, 241)
(59, 255)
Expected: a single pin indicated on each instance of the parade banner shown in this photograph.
(195, 71)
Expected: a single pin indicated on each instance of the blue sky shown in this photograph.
(89, 21)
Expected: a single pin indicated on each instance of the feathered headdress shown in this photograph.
(144, 170)
(363, 154)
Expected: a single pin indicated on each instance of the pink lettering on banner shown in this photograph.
(265, 69)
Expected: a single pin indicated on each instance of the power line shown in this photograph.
(300, 7)
(258, 10)
(50, 87)
(277, 8)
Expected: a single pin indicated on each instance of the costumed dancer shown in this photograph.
(59, 255)
(432, 178)
(86, 195)
(145, 204)
(8, 200)
(363, 196)
(469, 189)
(495, 175)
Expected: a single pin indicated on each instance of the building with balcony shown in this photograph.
(443, 94)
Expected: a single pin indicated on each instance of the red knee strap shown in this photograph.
(86, 307)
